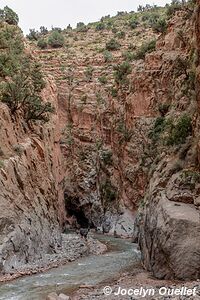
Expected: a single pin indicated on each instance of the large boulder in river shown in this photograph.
(169, 237)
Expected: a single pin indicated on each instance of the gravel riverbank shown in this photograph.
(73, 247)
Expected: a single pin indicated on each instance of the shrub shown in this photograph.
(180, 131)
(42, 44)
(89, 73)
(121, 34)
(107, 56)
(133, 23)
(126, 133)
(58, 29)
(173, 7)
(113, 45)
(106, 157)
(108, 191)
(160, 26)
(80, 24)
(121, 72)
(100, 26)
(158, 128)
(128, 56)
(22, 93)
(43, 30)
(56, 40)
(11, 46)
(33, 35)
(103, 79)
(145, 48)
(163, 109)
(114, 92)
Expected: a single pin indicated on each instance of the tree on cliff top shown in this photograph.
(9, 16)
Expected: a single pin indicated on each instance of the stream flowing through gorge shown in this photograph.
(90, 270)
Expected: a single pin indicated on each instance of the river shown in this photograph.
(90, 270)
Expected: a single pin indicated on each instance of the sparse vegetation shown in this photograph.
(107, 56)
(103, 79)
(100, 26)
(160, 25)
(42, 44)
(171, 133)
(144, 49)
(121, 72)
(108, 192)
(133, 23)
(106, 156)
(113, 45)
(88, 73)
(180, 131)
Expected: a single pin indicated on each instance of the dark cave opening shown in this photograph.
(81, 213)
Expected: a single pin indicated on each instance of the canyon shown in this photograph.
(120, 153)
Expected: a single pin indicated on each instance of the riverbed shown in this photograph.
(90, 270)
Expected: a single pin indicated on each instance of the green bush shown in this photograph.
(11, 50)
(144, 49)
(133, 23)
(113, 45)
(103, 79)
(114, 92)
(56, 40)
(158, 128)
(121, 72)
(180, 131)
(106, 157)
(33, 35)
(107, 56)
(128, 56)
(42, 44)
(160, 26)
(108, 191)
(22, 93)
(100, 26)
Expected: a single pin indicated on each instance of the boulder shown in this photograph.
(169, 238)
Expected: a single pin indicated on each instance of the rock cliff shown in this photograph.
(31, 197)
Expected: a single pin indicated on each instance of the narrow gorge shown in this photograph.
(99, 129)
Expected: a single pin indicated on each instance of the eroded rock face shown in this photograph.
(169, 222)
(31, 197)
(170, 239)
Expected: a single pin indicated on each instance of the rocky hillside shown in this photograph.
(122, 143)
